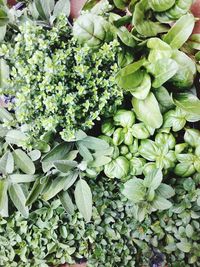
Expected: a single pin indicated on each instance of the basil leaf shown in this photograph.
(158, 49)
(118, 168)
(124, 118)
(83, 198)
(165, 191)
(131, 76)
(162, 70)
(149, 150)
(134, 190)
(180, 31)
(153, 179)
(143, 89)
(148, 111)
(161, 5)
(164, 99)
(126, 37)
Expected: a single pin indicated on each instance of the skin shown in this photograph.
(196, 11)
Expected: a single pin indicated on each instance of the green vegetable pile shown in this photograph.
(99, 135)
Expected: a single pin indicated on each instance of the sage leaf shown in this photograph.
(34, 154)
(83, 198)
(94, 143)
(84, 152)
(59, 152)
(3, 192)
(36, 190)
(16, 137)
(5, 116)
(22, 178)
(4, 72)
(7, 163)
(67, 202)
(23, 162)
(65, 165)
(62, 7)
(18, 198)
(148, 111)
(180, 31)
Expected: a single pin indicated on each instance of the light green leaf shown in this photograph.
(126, 37)
(165, 191)
(4, 71)
(23, 162)
(59, 152)
(18, 198)
(143, 89)
(158, 49)
(66, 202)
(83, 198)
(149, 150)
(131, 76)
(164, 99)
(190, 104)
(184, 246)
(3, 30)
(162, 70)
(84, 152)
(189, 230)
(148, 111)
(134, 190)
(153, 179)
(16, 137)
(118, 168)
(192, 137)
(4, 18)
(34, 154)
(160, 203)
(139, 131)
(124, 118)
(180, 31)
(161, 5)
(7, 163)
(94, 143)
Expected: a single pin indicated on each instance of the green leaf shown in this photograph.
(43, 8)
(118, 168)
(4, 71)
(58, 184)
(194, 41)
(126, 37)
(16, 137)
(62, 7)
(23, 162)
(149, 150)
(148, 111)
(124, 118)
(94, 143)
(160, 203)
(184, 169)
(131, 76)
(192, 137)
(3, 192)
(92, 29)
(118, 136)
(5, 116)
(36, 190)
(84, 152)
(190, 104)
(7, 163)
(164, 99)
(153, 179)
(184, 246)
(175, 119)
(22, 178)
(34, 154)
(4, 18)
(134, 190)
(180, 31)
(65, 165)
(184, 77)
(67, 202)
(165, 191)
(3, 30)
(59, 152)
(139, 131)
(83, 198)
(162, 70)
(143, 89)
(121, 4)
(189, 230)
(142, 24)
(18, 198)
(158, 49)
(161, 5)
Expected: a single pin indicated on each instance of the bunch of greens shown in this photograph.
(53, 169)
(59, 86)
